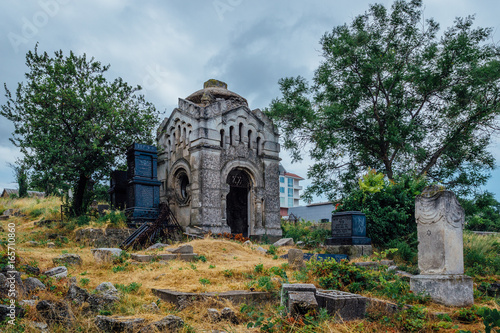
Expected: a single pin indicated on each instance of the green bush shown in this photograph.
(482, 213)
(389, 209)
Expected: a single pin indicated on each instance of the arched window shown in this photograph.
(222, 138)
(179, 133)
(240, 132)
(184, 136)
(231, 133)
(258, 145)
(250, 139)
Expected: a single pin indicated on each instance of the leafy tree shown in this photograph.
(21, 178)
(392, 95)
(72, 124)
(482, 213)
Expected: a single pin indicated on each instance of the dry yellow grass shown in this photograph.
(228, 267)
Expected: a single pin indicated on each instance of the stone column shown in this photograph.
(440, 221)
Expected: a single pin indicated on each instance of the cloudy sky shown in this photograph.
(171, 47)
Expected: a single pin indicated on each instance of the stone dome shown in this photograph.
(213, 91)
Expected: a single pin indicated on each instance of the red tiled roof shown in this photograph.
(292, 175)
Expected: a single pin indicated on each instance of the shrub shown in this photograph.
(389, 209)
(304, 231)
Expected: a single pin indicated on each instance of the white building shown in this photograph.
(289, 190)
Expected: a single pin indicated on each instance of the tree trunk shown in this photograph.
(81, 186)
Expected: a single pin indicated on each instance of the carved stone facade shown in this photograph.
(218, 164)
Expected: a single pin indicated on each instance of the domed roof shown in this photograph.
(214, 90)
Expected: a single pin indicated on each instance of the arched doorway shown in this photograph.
(237, 201)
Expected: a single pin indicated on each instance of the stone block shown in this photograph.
(106, 255)
(167, 256)
(450, 290)
(186, 248)
(352, 251)
(169, 323)
(32, 284)
(57, 272)
(342, 304)
(118, 324)
(141, 257)
(284, 242)
(298, 287)
(296, 258)
(301, 303)
(68, 259)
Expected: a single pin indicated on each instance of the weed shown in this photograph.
(117, 269)
(124, 256)
(228, 273)
(201, 258)
(211, 266)
(193, 266)
(272, 250)
(84, 282)
(204, 281)
(126, 289)
(259, 268)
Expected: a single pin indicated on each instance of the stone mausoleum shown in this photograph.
(218, 164)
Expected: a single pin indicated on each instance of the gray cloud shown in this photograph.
(171, 48)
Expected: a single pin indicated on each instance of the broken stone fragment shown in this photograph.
(71, 259)
(56, 312)
(118, 324)
(284, 242)
(106, 255)
(31, 284)
(301, 303)
(187, 248)
(57, 272)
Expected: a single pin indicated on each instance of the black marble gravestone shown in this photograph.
(348, 228)
(143, 187)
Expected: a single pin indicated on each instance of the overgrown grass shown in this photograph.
(48, 208)
(481, 254)
(304, 231)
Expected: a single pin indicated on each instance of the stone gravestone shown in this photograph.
(349, 235)
(143, 187)
(440, 221)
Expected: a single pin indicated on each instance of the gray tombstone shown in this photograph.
(440, 220)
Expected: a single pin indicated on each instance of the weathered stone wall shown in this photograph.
(210, 134)
(102, 237)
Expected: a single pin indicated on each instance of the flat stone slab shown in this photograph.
(284, 242)
(342, 304)
(182, 299)
(163, 256)
(450, 290)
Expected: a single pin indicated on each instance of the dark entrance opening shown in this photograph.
(237, 202)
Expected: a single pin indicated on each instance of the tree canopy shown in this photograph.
(72, 124)
(394, 95)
